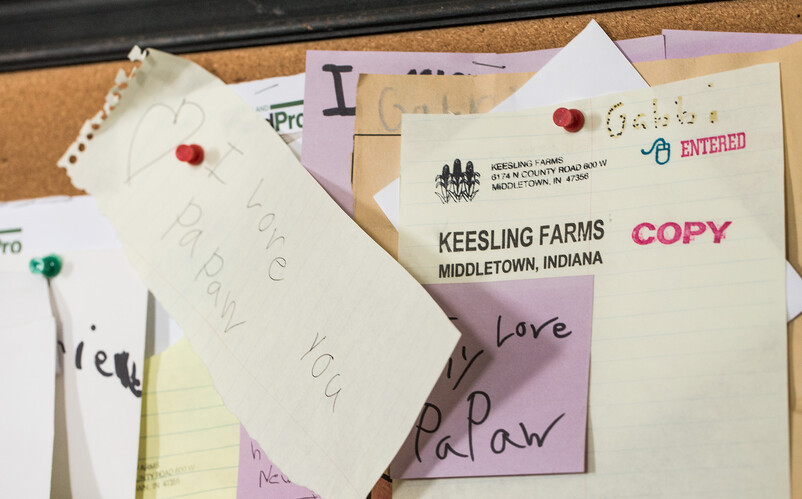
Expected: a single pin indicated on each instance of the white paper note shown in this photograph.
(28, 371)
(101, 305)
(41, 226)
(589, 65)
(688, 391)
(387, 199)
(315, 338)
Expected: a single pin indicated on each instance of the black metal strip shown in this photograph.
(44, 33)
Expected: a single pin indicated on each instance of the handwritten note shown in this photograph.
(320, 344)
(672, 197)
(28, 368)
(101, 307)
(189, 442)
(513, 396)
(259, 477)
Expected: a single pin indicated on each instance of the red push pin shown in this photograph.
(192, 154)
(570, 119)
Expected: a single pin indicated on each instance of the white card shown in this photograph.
(28, 371)
(101, 305)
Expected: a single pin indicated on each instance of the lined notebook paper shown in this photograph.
(189, 441)
(688, 393)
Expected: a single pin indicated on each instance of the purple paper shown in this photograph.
(681, 44)
(648, 48)
(512, 399)
(259, 477)
(330, 96)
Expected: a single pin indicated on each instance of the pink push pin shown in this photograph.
(192, 154)
(572, 120)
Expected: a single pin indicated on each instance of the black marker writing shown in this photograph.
(421, 428)
(428, 72)
(521, 330)
(488, 65)
(275, 481)
(271, 478)
(474, 422)
(121, 368)
(78, 354)
(127, 378)
(530, 438)
(470, 362)
(100, 358)
(479, 408)
(341, 109)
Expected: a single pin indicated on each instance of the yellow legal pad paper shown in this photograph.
(673, 198)
(189, 442)
(319, 343)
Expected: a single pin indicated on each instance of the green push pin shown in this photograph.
(48, 266)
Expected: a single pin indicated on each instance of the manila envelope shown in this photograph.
(376, 161)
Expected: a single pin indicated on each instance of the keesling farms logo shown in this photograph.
(456, 185)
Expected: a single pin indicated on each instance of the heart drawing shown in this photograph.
(174, 127)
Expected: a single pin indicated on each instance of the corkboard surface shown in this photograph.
(42, 110)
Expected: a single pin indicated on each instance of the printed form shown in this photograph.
(672, 197)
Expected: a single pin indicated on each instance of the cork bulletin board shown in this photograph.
(43, 109)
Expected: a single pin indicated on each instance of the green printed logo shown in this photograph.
(284, 121)
(7, 242)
